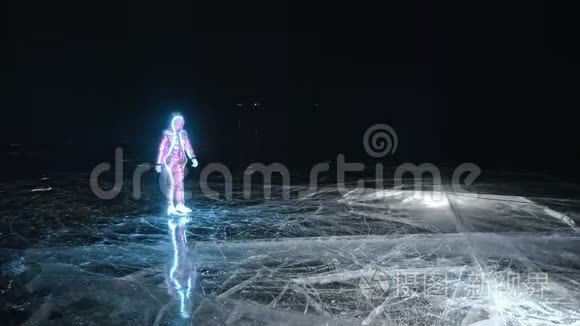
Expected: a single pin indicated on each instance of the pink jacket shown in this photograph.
(174, 145)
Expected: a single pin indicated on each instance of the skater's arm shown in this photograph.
(188, 149)
(163, 147)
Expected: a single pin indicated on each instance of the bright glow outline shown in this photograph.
(183, 293)
(182, 147)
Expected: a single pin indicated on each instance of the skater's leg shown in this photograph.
(170, 190)
(179, 193)
(178, 184)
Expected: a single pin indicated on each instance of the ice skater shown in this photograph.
(174, 149)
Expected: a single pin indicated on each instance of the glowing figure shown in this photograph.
(182, 275)
(174, 149)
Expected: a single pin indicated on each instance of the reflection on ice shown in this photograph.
(182, 275)
(418, 201)
(400, 198)
(428, 199)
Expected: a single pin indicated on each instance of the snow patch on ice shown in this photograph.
(41, 189)
(559, 216)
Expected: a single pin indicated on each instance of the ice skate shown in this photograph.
(183, 209)
(171, 210)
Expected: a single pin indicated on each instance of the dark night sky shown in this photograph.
(480, 82)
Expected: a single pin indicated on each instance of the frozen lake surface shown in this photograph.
(505, 253)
